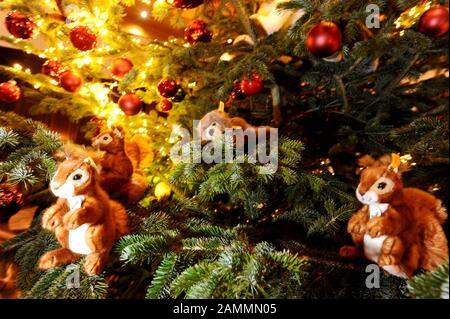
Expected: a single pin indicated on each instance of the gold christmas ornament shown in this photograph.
(162, 191)
(410, 17)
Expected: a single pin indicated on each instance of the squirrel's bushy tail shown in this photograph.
(120, 219)
(440, 212)
(434, 239)
(139, 152)
(135, 189)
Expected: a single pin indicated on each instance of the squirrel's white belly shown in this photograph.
(77, 236)
(372, 247)
(77, 240)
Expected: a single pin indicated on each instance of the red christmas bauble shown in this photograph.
(165, 105)
(167, 88)
(121, 66)
(11, 201)
(434, 22)
(324, 39)
(20, 26)
(130, 104)
(70, 81)
(253, 85)
(83, 38)
(236, 92)
(185, 4)
(9, 92)
(196, 32)
(53, 68)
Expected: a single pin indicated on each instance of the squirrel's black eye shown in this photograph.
(213, 124)
(105, 138)
(381, 185)
(76, 177)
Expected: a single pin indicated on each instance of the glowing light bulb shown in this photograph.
(144, 14)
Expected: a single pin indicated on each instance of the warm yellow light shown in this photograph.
(17, 66)
(100, 93)
(144, 14)
(405, 158)
(80, 62)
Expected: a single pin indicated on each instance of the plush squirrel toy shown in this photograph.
(215, 122)
(85, 220)
(398, 228)
(117, 173)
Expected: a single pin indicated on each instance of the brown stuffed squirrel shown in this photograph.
(215, 122)
(398, 228)
(85, 220)
(118, 174)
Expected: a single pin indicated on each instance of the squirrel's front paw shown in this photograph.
(377, 227)
(72, 220)
(51, 220)
(357, 228)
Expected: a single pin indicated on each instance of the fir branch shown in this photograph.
(431, 285)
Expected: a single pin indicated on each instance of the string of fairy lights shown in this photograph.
(98, 21)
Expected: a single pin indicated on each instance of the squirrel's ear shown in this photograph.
(387, 160)
(90, 161)
(118, 131)
(60, 155)
(366, 161)
(397, 165)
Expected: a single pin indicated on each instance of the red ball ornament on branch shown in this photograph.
(53, 68)
(20, 26)
(130, 104)
(185, 4)
(434, 22)
(70, 81)
(324, 39)
(165, 105)
(253, 85)
(121, 66)
(196, 32)
(167, 88)
(9, 92)
(11, 201)
(83, 38)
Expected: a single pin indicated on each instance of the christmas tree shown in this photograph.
(337, 79)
